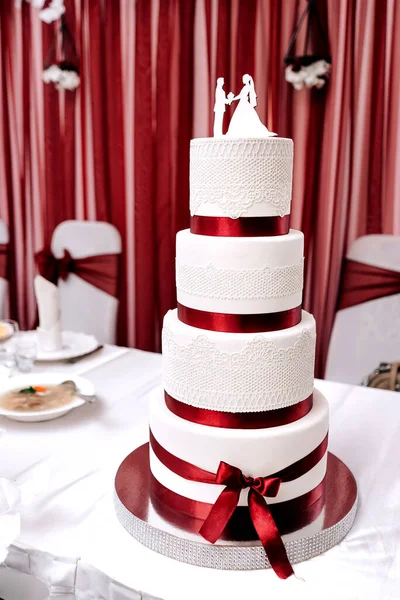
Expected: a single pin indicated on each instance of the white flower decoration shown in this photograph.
(69, 80)
(52, 74)
(63, 77)
(313, 75)
(53, 12)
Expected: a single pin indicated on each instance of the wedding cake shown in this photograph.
(238, 438)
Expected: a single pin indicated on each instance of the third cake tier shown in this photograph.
(238, 372)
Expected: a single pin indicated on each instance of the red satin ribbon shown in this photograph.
(241, 420)
(241, 227)
(3, 260)
(361, 283)
(189, 514)
(253, 323)
(101, 270)
(234, 482)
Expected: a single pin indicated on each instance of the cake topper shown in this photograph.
(219, 107)
(245, 121)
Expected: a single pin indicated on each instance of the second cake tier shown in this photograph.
(238, 372)
(239, 275)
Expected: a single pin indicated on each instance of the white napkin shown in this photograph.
(48, 301)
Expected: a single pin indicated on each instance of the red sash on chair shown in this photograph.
(101, 271)
(3, 260)
(361, 283)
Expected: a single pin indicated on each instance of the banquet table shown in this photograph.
(71, 540)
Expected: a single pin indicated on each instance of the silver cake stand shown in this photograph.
(139, 517)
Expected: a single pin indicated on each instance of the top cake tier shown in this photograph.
(241, 177)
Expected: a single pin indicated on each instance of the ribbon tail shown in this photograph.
(220, 514)
(269, 535)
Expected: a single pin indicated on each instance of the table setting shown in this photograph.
(37, 440)
(41, 396)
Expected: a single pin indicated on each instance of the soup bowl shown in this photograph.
(20, 382)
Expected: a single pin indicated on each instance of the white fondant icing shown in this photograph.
(238, 372)
(257, 452)
(204, 492)
(241, 177)
(239, 275)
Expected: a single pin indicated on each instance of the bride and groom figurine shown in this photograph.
(245, 121)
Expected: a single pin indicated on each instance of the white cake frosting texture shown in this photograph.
(258, 452)
(241, 177)
(238, 372)
(239, 275)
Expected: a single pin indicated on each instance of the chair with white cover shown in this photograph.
(4, 241)
(366, 334)
(84, 307)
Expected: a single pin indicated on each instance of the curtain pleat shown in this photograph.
(116, 147)
(8, 197)
(224, 55)
(97, 75)
(69, 130)
(245, 41)
(53, 148)
(145, 263)
(374, 211)
(164, 221)
(185, 110)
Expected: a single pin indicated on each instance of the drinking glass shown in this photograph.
(7, 357)
(25, 353)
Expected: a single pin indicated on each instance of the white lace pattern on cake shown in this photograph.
(260, 377)
(235, 174)
(239, 284)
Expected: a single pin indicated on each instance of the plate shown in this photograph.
(74, 344)
(22, 381)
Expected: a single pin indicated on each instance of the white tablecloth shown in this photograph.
(71, 540)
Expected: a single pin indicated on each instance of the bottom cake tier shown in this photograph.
(136, 513)
(295, 454)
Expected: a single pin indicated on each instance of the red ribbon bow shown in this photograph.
(53, 268)
(100, 270)
(65, 265)
(232, 477)
(263, 522)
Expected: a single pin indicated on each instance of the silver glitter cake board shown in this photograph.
(136, 513)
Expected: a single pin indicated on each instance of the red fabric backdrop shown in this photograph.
(117, 149)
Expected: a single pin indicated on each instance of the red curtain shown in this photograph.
(117, 149)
